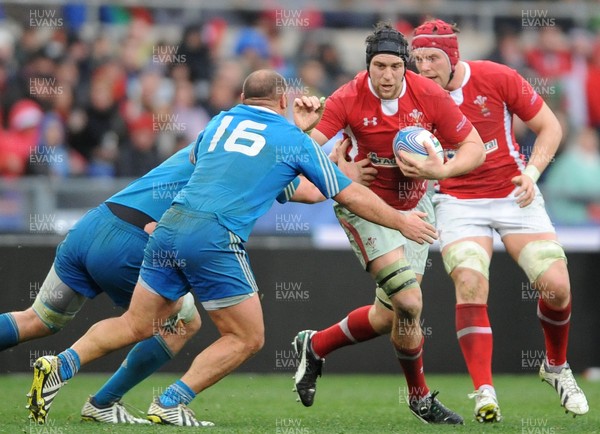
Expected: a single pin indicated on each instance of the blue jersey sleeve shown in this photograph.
(288, 192)
(321, 171)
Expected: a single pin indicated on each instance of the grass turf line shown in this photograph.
(246, 403)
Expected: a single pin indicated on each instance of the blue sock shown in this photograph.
(177, 393)
(9, 333)
(69, 364)
(143, 359)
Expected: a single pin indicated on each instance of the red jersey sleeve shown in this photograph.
(520, 97)
(452, 125)
(334, 117)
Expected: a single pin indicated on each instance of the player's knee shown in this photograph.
(408, 305)
(538, 257)
(49, 318)
(254, 342)
(396, 277)
(470, 285)
(467, 254)
(56, 304)
(554, 286)
(138, 330)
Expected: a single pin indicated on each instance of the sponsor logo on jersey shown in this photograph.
(490, 146)
(372, 121)
(480, 101)
(376, 160)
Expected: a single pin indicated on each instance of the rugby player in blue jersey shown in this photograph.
(103, 252)
(244, 158)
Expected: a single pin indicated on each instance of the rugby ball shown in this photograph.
(411, 139)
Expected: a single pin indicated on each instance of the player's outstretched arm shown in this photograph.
(366, 204)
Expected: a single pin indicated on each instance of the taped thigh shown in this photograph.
(467, 254)
(56, 304)
(396, 277)
(537, 256)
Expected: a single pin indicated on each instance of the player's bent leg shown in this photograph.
(146, 311)
(52, 372)
(311, 347)
(467, 261)
(54, 307)
(544, 261)
(242, 335)
(145, 358)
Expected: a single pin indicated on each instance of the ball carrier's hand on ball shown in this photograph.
(308, 111)
(429, 168)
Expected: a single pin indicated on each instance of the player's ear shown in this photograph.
(283, 101)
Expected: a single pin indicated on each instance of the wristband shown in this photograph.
(532, 172)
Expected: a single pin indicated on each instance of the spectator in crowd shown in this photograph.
(592, 90)
(189, 117)
(140, 154)
(197, 54)
(573, 182)
(224, 89)
(100, 118)
(575, 81)
(21, 137)
(509, 50)
(51, 156)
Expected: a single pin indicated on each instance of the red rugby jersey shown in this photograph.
(491, 93)
(372, 124)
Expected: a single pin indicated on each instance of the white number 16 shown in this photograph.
(240, 132)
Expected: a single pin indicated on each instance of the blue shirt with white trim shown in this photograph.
(245, 158)
(154, 192)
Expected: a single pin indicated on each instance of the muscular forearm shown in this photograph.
(467, 158)
(544, 149)
(548, 136)
(366, 204)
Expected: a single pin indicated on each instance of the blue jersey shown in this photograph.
(245, 158)
(154, 192)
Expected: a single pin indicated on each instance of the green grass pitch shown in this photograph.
(246, 403)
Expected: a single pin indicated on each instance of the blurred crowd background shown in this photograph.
(108, 92)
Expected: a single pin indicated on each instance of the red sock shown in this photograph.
(411, 361)
(476, 341)
(555, 324)
(351, 330)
